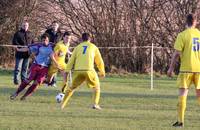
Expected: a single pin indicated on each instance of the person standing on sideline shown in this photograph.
(23, 37)
(54, 32)
(187, 47)
(55, 36)
(61, 50)
(82, 60)
(39, 68)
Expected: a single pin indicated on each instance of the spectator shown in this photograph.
(23, 37)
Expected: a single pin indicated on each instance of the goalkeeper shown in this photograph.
(83, 58)
(60, 51)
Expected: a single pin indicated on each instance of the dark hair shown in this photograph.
(54, 22)
(66, 33)
(44, 36)
(190, 19)
(85, 36)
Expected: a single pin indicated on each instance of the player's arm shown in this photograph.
(99, 63)
(54, 60)
(174, 59)
(57, 50)
(24, 49)
(178, 46)
(71, 61)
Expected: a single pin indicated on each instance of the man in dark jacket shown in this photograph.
(54, 32)
(23, 37)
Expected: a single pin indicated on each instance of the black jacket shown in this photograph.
(54, 37)
(22, 38)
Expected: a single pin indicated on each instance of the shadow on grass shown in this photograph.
(53, 92)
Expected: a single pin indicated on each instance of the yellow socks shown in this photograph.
(67, 96)
(181, 108)
(96, 96)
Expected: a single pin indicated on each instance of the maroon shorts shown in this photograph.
(38, 73)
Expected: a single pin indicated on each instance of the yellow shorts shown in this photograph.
(53, 69)
(90, 77)
(185, 80)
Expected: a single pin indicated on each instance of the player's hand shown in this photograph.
(170, 72)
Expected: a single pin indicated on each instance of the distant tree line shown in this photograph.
(116, 23)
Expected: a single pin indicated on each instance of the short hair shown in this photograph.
(190, 19)
(85, 36)
(44, 36)
(54, 22)
(66, 33)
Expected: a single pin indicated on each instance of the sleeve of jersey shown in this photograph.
(33, 48)
(179, 43)
(99, 62)
(71, 61)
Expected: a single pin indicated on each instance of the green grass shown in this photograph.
(127, 102)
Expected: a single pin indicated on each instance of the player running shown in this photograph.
(38, 71)
(60, 51)
(83, 58)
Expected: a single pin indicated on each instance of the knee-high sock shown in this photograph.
(181, 108)
(96, 96)
(67, 96)
(21, 87)
(30, 90)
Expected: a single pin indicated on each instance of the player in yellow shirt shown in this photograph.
(60, 52)
(187, 47)
(82, 60)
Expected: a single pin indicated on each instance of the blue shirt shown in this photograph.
(42, 52)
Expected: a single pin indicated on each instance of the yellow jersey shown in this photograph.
(83, 58)
(188, 43)
(61, 50)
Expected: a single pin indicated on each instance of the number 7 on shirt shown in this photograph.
(84, 49)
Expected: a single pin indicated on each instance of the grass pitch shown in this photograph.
(127, 102)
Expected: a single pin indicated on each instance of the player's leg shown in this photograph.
(182, 104)
(93, 82)
(22, 86)
(77, 80)
(68, 94)
(65, 82)
(51, 74)
(65, 77)
(96, 98)
(40, 77)
(30, 90)
(184, 80)
(197, 86)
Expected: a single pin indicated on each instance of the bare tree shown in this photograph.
(116, 23)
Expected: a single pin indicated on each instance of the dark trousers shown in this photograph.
(21, 68)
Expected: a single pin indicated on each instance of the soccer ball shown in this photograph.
(59, 97)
